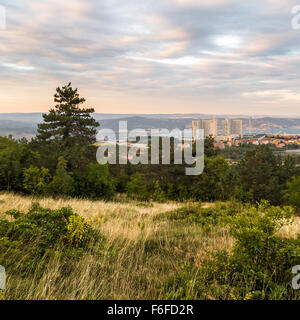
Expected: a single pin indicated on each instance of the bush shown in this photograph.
(77, 229)
(36, 181)
(259, 265)
(158, 194)
(194, 213)
(14, 158)
(214, 183)
(96, 183)
(62, 183)
(32, 236)
(136, 188)
(261, 261)
(292, 193)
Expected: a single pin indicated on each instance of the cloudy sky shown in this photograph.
(152, 56)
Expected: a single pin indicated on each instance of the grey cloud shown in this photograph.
(143, 46)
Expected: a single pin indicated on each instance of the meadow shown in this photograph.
(146, 250)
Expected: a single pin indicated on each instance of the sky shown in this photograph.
(152, 56)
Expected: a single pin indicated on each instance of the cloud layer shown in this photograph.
(206, 56)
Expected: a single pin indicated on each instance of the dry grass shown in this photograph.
(121, 220)
(136, 272)
(144, 252)
(292, 230)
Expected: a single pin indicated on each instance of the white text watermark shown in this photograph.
(296, 17)
(153, 147)
(2, 278)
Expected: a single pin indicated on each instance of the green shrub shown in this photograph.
(158, 194)
(255, 232)
(292, 193)
(136, 188)
(259, 265)
(261, 261)
(193, 213)
(96, 183)
(31, 237)
(77, 229)
(36, 181)
(62, 183)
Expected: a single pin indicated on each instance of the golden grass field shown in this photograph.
(134, 274)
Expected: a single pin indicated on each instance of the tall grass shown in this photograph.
(142, 252)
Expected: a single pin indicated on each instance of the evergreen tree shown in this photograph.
(68, 130)
(67, 121)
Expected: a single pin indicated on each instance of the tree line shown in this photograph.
(61, 162)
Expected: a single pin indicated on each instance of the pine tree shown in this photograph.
(67, 123)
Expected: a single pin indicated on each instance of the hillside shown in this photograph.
(149, 251)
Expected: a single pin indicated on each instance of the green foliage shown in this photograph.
(183, 286)
(48, 226)
(262, 175)
(96, 183)
(158, 194)
(207, 218)
(31, 237)
(209, 149)
(214, 183)
(258, 267)
(14, 158)
(68, 131)
(36, 181)
(16, 214)
(255, 231)
(136, 188)
(67, 122)
(261, 261)
(292, 193)
(77, 228)
(62, 183)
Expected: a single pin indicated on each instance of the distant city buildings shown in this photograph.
(232, 127)
(233, 135)
(250, 125)
(210, 127)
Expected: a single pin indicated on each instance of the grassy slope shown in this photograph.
(148, 252)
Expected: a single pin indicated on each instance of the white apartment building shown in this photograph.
(210, 127)
(232, 127)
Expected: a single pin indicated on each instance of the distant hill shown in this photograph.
(23, 117)
(25, 124)
(148, 123)
(38, 116)
(18, 129)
